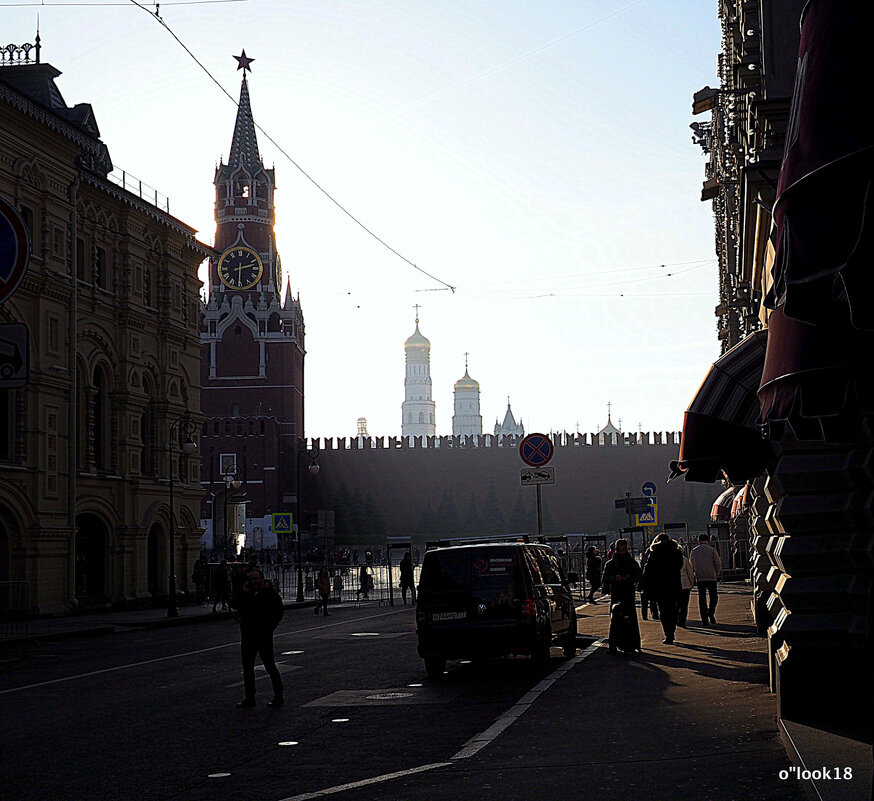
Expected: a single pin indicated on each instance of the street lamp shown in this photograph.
(312, 453)
(231, 477)
(183, 425)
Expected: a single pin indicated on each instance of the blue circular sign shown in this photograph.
(14, 249)
(535, 450)
(648, 489)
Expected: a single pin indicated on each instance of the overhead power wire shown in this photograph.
(155, 15)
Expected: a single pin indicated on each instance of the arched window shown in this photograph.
(235, 410)
(421, 417)
(409, 417)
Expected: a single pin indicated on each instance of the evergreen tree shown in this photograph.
(342, 510)
(522, 519)
(472, 522)
(358, 522)
(375, 520)
(492, 516)
(427, 521)
(448, 523)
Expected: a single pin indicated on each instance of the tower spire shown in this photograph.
(244, 145)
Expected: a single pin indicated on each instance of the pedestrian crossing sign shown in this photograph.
(282, 522)
(648, 518)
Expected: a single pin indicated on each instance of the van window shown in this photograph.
(488, 570)
(549, 567)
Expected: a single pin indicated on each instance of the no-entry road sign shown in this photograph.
(535, 450)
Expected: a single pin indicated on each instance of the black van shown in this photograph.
(491, 599)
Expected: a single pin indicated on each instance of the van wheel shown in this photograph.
(569, 646)
(435, 666)
(541, 650)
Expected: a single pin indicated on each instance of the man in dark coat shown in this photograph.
(661, 577)
(260, 609)
(621, 575)
(407, 580)
(593, 572)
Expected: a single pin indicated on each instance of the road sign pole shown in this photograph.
(628, 509)
(539, 513)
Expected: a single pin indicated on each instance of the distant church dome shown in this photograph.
(417, 342)
(466, 382)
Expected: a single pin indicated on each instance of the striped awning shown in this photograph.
(741, 501)
(721, 509)
(719, 427)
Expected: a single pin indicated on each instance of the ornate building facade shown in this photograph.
(252, 367)
(110, 305)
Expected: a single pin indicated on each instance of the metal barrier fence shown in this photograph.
(14, 609)
(383, 583)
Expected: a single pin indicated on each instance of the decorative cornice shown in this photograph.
(52, 121)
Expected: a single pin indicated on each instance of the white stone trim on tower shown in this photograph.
(418, 410)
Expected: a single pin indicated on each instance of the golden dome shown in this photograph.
(466, 382)
(417, 341)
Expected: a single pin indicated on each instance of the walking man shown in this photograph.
(707, 564)
(260, 610)
(661, 576)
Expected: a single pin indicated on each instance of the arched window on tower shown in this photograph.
(421, 417)
(409, 417)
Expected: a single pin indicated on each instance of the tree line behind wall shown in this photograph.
(427, 493)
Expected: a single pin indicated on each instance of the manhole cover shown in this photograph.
(387, 696)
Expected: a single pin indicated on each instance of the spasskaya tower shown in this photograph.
(252, 359)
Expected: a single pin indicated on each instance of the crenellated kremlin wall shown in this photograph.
(459, 478)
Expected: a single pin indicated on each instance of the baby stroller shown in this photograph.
(624, 635)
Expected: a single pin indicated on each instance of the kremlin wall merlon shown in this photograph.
(453, 486)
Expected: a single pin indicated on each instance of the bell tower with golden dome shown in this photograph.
(417, 410)
(467, 420)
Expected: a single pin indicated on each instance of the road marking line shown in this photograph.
(481, 740)
(180, 656)
(340, 788)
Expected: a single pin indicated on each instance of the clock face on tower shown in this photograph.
(240, 267)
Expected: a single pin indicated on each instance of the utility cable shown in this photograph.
(282, 150)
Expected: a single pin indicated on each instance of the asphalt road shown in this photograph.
(150, 714)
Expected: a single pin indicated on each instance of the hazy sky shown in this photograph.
(533, 154)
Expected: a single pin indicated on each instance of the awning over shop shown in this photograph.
(817, 378)
(721, 509)
(719, 427)
(823, 212)
(741, 501)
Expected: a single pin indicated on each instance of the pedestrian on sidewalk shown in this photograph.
(198, 576)
(621, 575)
(594, 566)
(661, 576)
(323, 585)
(707, 564)
(687, 581)
(221, 585)
(647, 602)
(407, 580)
(259, 610)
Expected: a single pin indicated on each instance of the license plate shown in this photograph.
(448, 615)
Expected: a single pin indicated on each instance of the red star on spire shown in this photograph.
(243, 62)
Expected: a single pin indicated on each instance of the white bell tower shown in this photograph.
(417, 410)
